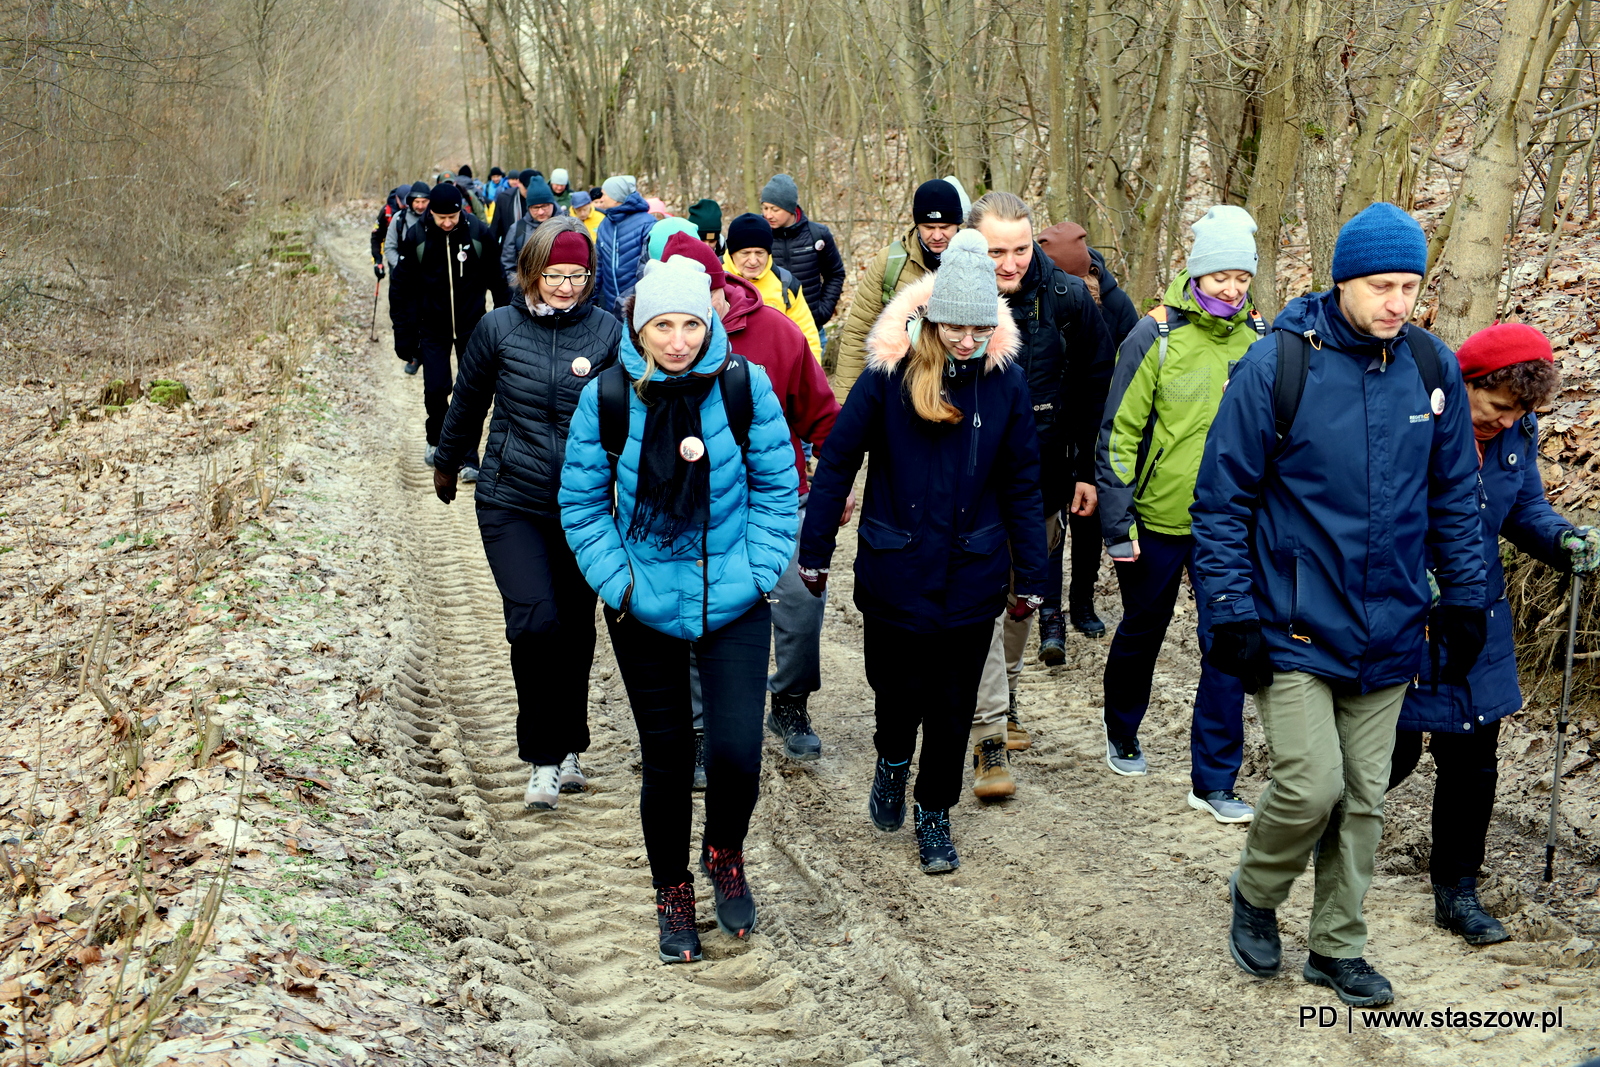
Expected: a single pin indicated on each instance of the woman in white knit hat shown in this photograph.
(948, 419)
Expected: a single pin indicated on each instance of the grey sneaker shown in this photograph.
(427, 457)
(570, 777)
(1126, 757)
(1222, 805)
(543, 787)
(468, 475)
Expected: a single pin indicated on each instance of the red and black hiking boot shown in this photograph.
(736, 908)
(680, 941)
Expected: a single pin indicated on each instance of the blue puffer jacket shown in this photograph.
(621, 235)
(1512, 505)
(695, 586)
(1327, 538)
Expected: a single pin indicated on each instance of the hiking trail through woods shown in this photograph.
(1086, 925)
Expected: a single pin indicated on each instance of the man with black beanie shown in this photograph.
(447, 265)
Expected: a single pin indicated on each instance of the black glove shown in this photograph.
(1458, 635)
(444, 486)
(377, 268)
(1237, 650)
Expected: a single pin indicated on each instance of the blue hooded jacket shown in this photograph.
(692, 587)
(1511, 504)
(621, 235)
(1326, 537)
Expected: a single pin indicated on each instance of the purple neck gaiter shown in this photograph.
(1212, 306)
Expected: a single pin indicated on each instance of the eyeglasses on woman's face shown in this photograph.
(558, 281)
(956, 334)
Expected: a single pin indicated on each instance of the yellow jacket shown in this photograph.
(596, 217)
(867, 305)
(794, 306)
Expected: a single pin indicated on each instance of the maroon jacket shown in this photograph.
(765, 336)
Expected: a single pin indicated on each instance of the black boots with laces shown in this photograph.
(1457, 909)
(680, 941)
(887, 804)
(934, 847)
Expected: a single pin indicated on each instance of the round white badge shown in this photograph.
(691, 448)
(462, 255)
(818, 246)
(1438, 401)
(580, 366)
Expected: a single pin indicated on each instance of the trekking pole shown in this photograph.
(1561, 728)
(373, 332)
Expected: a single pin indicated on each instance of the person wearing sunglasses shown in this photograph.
(947, 415)
(532, 361)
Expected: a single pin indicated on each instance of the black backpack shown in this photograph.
(615, 386)
(1294, 362)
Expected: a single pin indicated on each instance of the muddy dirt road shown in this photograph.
(1086, 924)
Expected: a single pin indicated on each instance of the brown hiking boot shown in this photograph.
(991, 774)
(1017, 735)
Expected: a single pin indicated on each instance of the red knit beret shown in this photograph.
(573, 247)
(687, 244)
(1500, 346)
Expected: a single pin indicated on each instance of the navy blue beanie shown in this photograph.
(1383, 239)
(749, 231)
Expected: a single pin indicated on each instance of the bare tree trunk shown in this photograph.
(1279, 149)
(1167, 128)
(747, 111)
(1325, 117)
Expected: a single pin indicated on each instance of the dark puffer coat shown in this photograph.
(523, 363)
(424, 280)
(807, 251)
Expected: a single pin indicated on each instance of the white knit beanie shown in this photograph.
(1224, 239)
(964, 289)
(678, 286)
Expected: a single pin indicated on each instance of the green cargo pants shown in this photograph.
(1330, 757)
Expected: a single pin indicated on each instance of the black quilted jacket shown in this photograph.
(524, 364)
(807, 251)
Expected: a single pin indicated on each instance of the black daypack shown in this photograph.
(734, 381)
(1294, 363)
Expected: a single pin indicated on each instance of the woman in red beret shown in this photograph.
(1509, 371)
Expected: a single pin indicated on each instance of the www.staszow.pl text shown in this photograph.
(1325, 1017)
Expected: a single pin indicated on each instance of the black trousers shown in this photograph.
(1086, 553)
(405, 331)
(549, 611)
(926, 680)
(437, 382)
(1467, 772)
(733, 687)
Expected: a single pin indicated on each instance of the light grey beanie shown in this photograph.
(559, 176)
(782, 191)
(964, 289)
(678, 286)
(1224, 239)
(619, 186)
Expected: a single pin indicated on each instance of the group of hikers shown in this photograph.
(1335, 483)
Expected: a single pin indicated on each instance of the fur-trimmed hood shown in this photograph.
(888, 342)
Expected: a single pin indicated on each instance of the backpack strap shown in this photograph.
(614, 386)
(737, 401)
(1167, 319)
(1429, 368)
(892, 270)
(786, 284)
(1294, 362)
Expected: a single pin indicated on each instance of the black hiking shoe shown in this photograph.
(680, 941)
(1354, 980)
(1457, 909)
(414, 365)
(789, 722)
(1086, 622)
(1253, 936)
(887, 804)
(935, 850)
(1052, 638)
(736, 908)
(699, 785)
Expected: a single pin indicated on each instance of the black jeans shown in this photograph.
(1084, 538)
(1467, 771)
(733, 684)
(928, 680)
(549, 611)
(437, 382)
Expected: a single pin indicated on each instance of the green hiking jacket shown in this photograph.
(1159, 411)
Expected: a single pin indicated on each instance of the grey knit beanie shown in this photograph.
(679, 286)
(1224, 239)
(620, 186)
(783, 192)
(964, 290)
(559, 176)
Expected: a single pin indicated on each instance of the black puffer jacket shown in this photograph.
(1115, 306)
(523, 363)
(1067, 355)
(422, 278)
(807, 251)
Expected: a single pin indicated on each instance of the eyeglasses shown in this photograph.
(556, 281)
(977, 333)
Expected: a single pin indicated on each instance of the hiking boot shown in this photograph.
(887, 804)
(1124, 756)
(1052, 638)
(680, 941)
(1457, 909)
(1253, 940)
(1353, 979)
(991, 775)
(468, 475)
(413, 366)
(571, 777)
(427, 457)
(699, 785)
(789, 722)
(1086, 622)
(544, 787)
(1222, 805)
(736, 908)
(934, 848)
(1017, 736)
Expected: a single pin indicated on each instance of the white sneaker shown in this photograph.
(543, 790)
(572, 779)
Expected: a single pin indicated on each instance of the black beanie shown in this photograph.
(706, 217)
(445, 199)
(496, 170)
(596, 193)
(749, 231)
(936, 201)
(417, 189)
(465, 171)
(526, 176)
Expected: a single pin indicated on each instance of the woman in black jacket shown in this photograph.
(948, 418)
(532, 361)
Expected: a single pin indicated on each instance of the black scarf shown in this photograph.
(672, 493)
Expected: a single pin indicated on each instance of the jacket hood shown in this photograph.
(631, 206)
(1319, 312)
(889, 341)
(744, 300)
(712, 356)
(1108, 281)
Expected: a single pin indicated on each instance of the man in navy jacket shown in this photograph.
(1312, 551)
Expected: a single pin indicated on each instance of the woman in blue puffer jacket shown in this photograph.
(701, 530)
(1509, 371)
